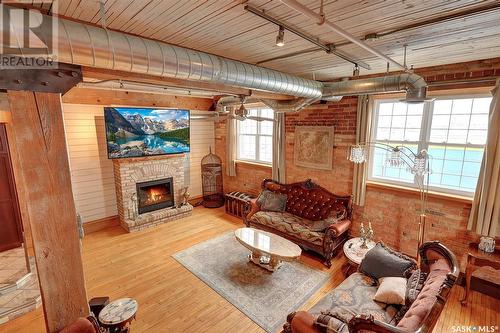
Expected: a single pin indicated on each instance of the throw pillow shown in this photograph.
(262, 197)
(414, 286)
(382, 261)
(271, 201)
(392, 290)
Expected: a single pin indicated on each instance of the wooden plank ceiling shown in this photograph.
(224, 28)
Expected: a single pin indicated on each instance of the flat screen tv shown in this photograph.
(136, 132)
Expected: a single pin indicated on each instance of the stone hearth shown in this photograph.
(128, 172)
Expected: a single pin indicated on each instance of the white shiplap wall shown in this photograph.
(92, 172)
(202, 138)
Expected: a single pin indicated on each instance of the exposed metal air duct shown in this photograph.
(414, 85)
(87, 45)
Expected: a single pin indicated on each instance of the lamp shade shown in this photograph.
(420, 166)
(357, 154)
(394, 158)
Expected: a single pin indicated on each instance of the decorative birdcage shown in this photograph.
(211, 176)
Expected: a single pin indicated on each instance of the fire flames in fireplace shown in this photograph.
(156, 194)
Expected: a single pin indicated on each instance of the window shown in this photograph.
(453, 130)
(255, 138)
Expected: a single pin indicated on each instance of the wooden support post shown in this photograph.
(38, 132)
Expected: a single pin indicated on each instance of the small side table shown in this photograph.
(117, 315)
(476, 259)
(355, 253)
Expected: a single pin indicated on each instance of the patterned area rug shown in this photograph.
(267, 298)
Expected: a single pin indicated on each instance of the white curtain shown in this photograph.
(231, 142)
(484, 217)
(363, 124)
(279, 148)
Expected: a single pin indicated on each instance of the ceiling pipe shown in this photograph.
(414, 85)
(139, 87)
(320, 19)
(87, 45)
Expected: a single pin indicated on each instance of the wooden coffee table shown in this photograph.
(267, 250)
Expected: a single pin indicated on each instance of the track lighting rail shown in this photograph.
(328, 48)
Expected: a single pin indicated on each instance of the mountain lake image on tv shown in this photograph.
(136, 132)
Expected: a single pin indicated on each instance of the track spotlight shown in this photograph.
(355, 72)
(280, 39)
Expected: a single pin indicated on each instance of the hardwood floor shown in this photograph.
(171, 299)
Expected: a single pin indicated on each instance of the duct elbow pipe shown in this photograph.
(230, 101)
(289, 106)
(414, 85)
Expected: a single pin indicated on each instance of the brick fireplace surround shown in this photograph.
(130, 171)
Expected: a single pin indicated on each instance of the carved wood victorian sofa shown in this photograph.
(352, 306)
(306, 202)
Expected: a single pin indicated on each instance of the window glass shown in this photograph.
(453, 130)
(255, 137)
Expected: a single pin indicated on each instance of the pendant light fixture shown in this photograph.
(280, 39)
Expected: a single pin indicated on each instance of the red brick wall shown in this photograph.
(393, 213)
(341, 115)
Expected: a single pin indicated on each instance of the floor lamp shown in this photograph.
(400, 156)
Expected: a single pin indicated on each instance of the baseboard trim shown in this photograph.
(195, 199)
(96, 225)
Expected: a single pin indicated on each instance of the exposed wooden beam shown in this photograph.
(4, 104)
(129, 98)
(104, 74)
(38, 132)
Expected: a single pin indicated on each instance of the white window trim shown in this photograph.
(257, 136)
(423, 143)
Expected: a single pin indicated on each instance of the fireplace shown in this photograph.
(154, 195)
(137, 203)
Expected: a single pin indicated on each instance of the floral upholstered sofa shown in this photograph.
(307, 207)
(350, 307)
